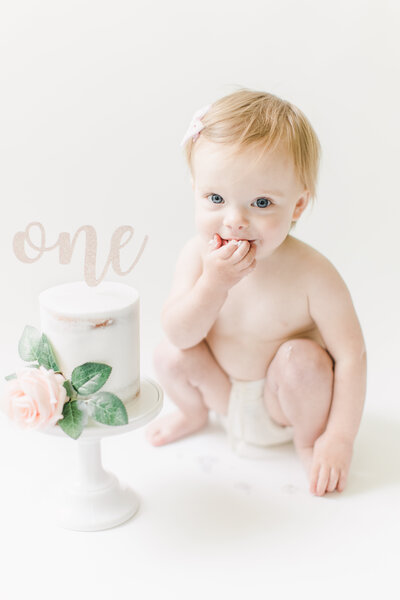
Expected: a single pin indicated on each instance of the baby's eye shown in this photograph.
(263, 202)
(216, 198)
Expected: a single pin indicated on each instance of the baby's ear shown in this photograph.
(301, 205)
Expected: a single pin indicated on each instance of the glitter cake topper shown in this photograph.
(66, 247)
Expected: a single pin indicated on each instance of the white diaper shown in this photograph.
(249, 426)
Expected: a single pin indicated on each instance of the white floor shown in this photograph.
(211, 524)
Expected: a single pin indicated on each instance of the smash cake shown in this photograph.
(84, 365)
(95, 324)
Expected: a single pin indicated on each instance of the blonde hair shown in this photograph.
(247, 117)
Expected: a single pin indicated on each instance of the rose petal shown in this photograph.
(35, 399)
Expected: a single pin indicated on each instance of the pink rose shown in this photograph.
(35, 399)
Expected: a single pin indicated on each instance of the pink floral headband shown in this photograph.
(196, 125)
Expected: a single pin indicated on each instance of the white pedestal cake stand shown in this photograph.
(94, 499)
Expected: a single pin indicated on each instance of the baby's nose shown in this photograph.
(236, 219)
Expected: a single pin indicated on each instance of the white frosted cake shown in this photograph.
(95, 324)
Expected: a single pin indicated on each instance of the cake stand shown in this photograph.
(94, 499)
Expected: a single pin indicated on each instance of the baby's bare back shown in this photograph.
(263, 310)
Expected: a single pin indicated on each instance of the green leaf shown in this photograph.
(12, 376)
(108, 409)
(69, 388)
(90, 377)
(74, 420)
(46, 356)
(29, 343)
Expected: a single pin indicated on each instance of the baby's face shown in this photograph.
(244, 197)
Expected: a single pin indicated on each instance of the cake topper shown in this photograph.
(66, 247)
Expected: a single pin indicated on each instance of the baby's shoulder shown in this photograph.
(189, 259)
(303, 254)
(192, 248)
(314, 268)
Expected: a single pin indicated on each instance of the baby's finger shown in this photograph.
(333, 480)
(251, 248)
(248, 259)
(243, 250)
(247, 264)
(228, 250)
(322, 480)
(249, 269)
(342, 481)
(215, 242)
(314, 477)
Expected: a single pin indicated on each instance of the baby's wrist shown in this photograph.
(216, 288)
(341, 435)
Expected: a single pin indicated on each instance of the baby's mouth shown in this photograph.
(226, 241)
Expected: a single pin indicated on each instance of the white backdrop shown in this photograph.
(96, 95)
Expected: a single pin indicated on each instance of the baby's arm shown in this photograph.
(200, 288)
(333, 312)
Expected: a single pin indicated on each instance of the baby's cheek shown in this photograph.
(276, 227)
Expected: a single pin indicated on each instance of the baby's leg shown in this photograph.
(195, 383)
(298, 392)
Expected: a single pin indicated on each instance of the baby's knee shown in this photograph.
(304, 361)
(166, 357)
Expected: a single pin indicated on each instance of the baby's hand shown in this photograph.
(227, 264)
(330, 464)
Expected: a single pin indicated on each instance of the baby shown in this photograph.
(260, 327)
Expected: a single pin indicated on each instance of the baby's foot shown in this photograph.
(172, 427)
